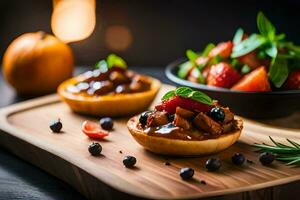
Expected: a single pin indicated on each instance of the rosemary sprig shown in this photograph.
(290, 154)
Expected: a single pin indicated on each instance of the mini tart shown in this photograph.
(113, 105)
(179, 147)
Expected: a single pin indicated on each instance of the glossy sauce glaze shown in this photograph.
(114, 81)
(173, 132)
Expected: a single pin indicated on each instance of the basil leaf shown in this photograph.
(238, 36)
(265, 27)
(184, 69)
(187, 92)
(191, 55)
(115, 61)
(245, 69)
(280, 37)
(168, 95)
(207, 49)
(201, 97)
(102, 66)
(272, 51)
(279, 71)
(183, 91)
(248, 45)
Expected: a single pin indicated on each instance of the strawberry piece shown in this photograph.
(170, 105)
(93, 130)
(293, 81)
(252, 61)
(222, 75)
(223, 49)
(255, 81)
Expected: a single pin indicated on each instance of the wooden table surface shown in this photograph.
(21, 180)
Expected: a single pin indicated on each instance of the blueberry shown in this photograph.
(56, 126)
(106, 123)
(238, 159)
(143, 117)
(186, 173)
(95, 149)
(217, 114)
(213, 164)
(266, 158)
(129, 161)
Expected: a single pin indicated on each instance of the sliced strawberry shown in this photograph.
(194, 75)
(293, 81)
(253, 61)
(223, 49)
(255, 81)
(201, 60)
(93, 130)
(170, 105)
(222, 75)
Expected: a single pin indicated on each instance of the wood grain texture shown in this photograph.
(26, 133)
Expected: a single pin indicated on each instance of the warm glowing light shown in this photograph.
(118, 38)
(73, 20)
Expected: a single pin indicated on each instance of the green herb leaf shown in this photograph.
(248, 45)
(201, 97)
(187, 92)
(184, 69)
(265, 27)
(102, 66)
(191, 55)
(115, 61)
(238, 36)
(168, 95)
(245, 69)
(279, 71)
(272, 50)
(183, 91)
(207, 49)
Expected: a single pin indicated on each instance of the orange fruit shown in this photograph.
(36, 63)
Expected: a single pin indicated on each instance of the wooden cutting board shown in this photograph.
(25, 132)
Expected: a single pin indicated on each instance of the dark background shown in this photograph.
(161, 29)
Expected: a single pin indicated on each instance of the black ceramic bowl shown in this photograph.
(256, 105)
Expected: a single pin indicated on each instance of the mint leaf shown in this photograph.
(265, 27)
(278, 71)
(102, 66)
(248, 45)
(184, 69)
(187, 92)
(168, 95)
(183, 91)
(207, 49)
(115, 61)
(191, 55)
(238, 36)
(201, 97)
(272, 50)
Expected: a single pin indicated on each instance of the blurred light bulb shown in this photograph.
(73, 20)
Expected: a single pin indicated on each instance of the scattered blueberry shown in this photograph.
(238, 159)
(95, 149)
(129, 161)
(266, 158)
(186, 173)
(56, 126)
(217, 114)
(106, 123)
(213, 164)
(143, 117)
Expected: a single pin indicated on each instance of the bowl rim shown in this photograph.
(174, 78)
